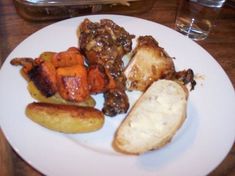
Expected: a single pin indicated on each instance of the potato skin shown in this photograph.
(65, 118)
(56, 99)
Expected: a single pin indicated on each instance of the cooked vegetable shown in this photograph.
(65, 118)
(47, 56)
(44, 77)
(57, 99)
(67, 58)
(72, 83)
(99, 79)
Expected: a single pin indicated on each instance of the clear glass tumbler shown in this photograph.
(195, 18)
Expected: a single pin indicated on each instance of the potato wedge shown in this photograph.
(65, 118)
(56, 99)
(47, 56)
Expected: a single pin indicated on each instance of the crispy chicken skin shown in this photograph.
(149, 63)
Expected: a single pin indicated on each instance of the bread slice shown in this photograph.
(154, 119)
(149, 63)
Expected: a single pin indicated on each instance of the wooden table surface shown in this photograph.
(220, 44)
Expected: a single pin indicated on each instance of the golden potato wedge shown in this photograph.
(56, 99)
(65, 118)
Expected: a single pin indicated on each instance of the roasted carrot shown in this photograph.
(68, 58)
(72, 83)
(99, 79)
(44, 77)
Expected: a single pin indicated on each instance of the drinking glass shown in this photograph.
(195, 18)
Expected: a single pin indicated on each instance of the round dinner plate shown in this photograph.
(199, 146)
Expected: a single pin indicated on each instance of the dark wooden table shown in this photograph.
(220, 44)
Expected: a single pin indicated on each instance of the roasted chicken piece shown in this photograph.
(105, 43)
(116, 102)
(149, 63)
(185, 76)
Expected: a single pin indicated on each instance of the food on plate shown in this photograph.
(105, 43)
(99, 79)
(63, 84)
(43, 76)
(72, 83)
(154, 119)
(66, 58)
(185, 77)
(59, 82)
(149, 62)
(65, 118)
(116, 100)
(56, 99)
(63, 73)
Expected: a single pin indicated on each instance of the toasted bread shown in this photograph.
(154, 119)
(149, 63)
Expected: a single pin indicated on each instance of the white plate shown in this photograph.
(200, 145)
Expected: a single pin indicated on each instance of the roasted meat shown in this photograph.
(106, 40)
(105, 43)
(149, 63)
(116, 102)
(186, 77)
